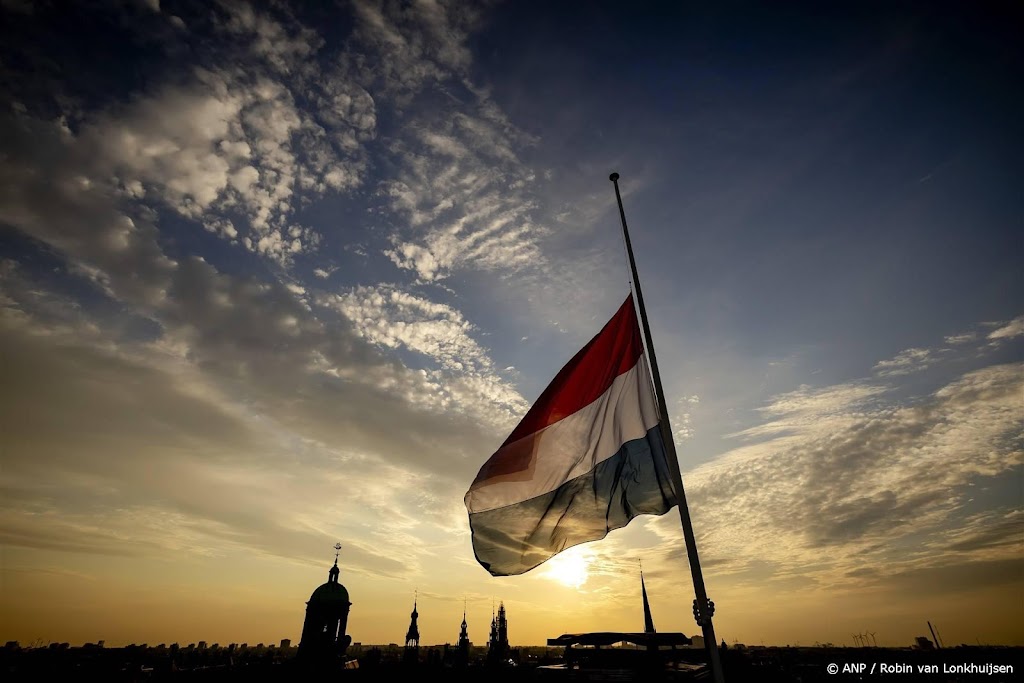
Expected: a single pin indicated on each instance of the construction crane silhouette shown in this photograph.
(934, 637)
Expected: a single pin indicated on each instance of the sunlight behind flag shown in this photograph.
(570, 567)
(587, 458)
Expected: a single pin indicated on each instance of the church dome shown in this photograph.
(330, 592)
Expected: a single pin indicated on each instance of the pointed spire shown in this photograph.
(463, 635)
(412, 636)
(648, 620)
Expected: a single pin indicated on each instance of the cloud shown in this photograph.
(961, 338)
(392, 318)
(204, 440)
(904, 363)
(994, 531)
(459, 194)
(682, 420)
(237, 390)
(807, 407)
(849, 479)
(286, 47)
(209, 146)
(227, 147)
(47, 191)
(237, 415)
(1014, 328)
(469, 205)
(417, 44)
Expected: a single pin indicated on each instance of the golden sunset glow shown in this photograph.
(570, 567)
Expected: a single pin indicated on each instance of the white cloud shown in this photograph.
(459, 186)
(286, 48)
(807, 408)
(189, 147)
(216, 144)
(491, 230)
(415, 44)
(243, 376)
(392, 318)
(856, 480)
(1014, 328)
(956, 339)
(229, 147)
(47, 191)
(905, 362)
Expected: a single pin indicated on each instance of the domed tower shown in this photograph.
(323, 633)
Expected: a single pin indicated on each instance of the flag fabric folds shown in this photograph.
(587, 458)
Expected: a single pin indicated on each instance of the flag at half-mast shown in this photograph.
(587, 458)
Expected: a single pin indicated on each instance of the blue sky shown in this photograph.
(279, 275)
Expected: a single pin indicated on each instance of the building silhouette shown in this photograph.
(323, 633)
(412, 636)
(600, 655)
(497, 644)
(462, 654)
(648, 620)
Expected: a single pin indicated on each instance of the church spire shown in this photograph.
(497, 645)
(464, 644)
(412, 637)
(648, 620)
(332, 575)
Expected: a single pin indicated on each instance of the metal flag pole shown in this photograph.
(703, 609)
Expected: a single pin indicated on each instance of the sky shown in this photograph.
(276, 276)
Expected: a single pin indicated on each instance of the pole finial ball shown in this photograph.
(613, 177)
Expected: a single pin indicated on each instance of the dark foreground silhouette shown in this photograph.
(768, 664)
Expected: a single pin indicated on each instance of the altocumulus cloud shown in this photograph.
(841, 478)
(226, 423)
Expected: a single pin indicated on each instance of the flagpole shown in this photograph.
(703, 608)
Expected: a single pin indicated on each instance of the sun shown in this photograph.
(570, 567)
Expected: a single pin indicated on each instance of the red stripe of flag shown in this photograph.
(614, 351)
